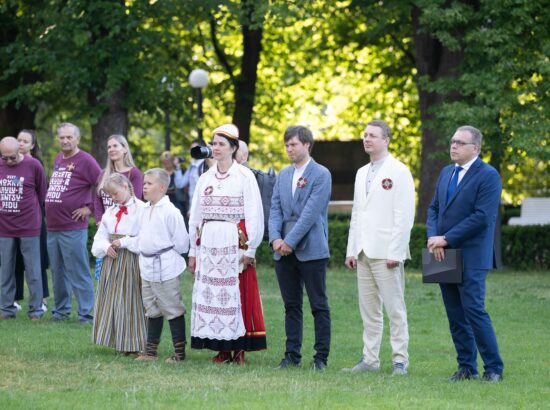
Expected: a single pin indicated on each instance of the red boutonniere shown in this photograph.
(387, 184)
(208, 190)
(302, 182)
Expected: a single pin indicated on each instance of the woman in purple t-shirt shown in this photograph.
(28, 145)
(120, 161)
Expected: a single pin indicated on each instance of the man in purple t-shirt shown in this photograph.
(22, 191)
(68, 205)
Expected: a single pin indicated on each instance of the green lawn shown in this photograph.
(45, 365)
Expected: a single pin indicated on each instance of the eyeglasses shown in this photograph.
(459, 143)
(10, 158)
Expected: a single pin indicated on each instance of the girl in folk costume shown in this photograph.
(226, 226)
(119, 160)
(119, 321)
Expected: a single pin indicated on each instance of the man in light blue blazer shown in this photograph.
(298, 234)
(462, 215)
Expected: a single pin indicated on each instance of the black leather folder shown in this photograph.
(449, 270)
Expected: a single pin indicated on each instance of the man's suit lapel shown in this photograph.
(472, 171)
(286, 187)
(307, 175)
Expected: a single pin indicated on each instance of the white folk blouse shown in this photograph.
(127, 225)
(229, 197)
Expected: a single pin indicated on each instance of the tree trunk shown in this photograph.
(13, 119)
(433, 61)
(113, 120)
(496, 146)
(245, 82)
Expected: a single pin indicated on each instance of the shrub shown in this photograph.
(523, 247)
(526, 247)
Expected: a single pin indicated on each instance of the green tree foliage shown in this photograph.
(424, 66)
(96, 60)
(503, 86)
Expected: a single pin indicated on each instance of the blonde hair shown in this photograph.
(110, 166)
(166, 156)
(118, 180)
(160, 175)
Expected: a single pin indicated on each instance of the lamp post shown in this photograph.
(198, 79)
(168, 87)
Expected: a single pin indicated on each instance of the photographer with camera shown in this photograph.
(175, 193)
(201, 160)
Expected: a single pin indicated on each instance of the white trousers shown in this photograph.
(377, 286)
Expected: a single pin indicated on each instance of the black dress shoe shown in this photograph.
(463, 374)
(492, 377)
(287, 363)
(319, 365)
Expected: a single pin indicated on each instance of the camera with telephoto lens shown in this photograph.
(201, 152)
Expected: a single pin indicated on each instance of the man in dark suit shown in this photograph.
(462, 215)
(298, 234)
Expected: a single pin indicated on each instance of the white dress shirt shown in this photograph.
(373, 170)
(464, 169)
(298, 172)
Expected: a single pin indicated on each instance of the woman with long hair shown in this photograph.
(28, 145)
(226, 226)
(119, 160)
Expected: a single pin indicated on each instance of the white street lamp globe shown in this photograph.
(198, 78)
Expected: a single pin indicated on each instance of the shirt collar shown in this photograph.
(467, 165)
(379, 161)
(303, 167)
(163, 201)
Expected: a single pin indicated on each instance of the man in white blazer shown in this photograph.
(378, 244)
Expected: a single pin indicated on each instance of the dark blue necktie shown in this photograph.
(452, 185)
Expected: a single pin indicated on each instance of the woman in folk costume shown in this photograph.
(226, 225)
(119, 320)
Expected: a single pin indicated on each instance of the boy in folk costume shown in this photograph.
(161, 241)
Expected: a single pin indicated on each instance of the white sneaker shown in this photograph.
(44, 307)
(361, 367)
(17, 306)
(400, 369)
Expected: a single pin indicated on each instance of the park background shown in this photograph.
(424, 66)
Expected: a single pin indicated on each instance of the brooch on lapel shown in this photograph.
(208, 190)
(302, 182)
(387, 184)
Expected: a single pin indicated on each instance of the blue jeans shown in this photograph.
(30, 249)
(70, 272)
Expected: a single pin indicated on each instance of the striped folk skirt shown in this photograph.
(119, 319)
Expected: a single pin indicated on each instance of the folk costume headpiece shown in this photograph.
(227, 130)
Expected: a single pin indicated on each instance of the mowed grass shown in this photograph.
(55, 366)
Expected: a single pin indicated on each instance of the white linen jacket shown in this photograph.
(381, 222)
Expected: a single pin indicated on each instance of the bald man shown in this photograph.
(241, 155)
(22, 193)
